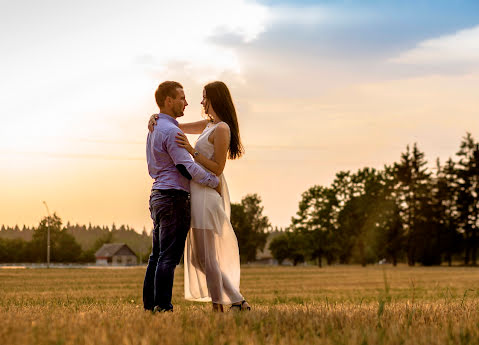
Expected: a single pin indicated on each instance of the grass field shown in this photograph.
(291, 305)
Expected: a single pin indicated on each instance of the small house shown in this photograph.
(116, 254)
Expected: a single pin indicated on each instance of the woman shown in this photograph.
(212, 266)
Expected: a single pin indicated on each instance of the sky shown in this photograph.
(319, 87)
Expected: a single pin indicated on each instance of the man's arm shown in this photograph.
(185, 164)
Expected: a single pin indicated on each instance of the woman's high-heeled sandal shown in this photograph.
(240, 306)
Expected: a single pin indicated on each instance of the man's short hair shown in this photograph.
(165, 89)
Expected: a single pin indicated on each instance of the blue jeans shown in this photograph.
(171, 214)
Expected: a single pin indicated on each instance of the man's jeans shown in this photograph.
(171, 214)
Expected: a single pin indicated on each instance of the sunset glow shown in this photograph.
(319, 87)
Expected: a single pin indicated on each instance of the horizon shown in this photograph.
(319, 87)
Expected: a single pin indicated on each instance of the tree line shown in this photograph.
(78, 243)
(69, 243)
(402, 213)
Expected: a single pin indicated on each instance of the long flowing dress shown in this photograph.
(212, 263)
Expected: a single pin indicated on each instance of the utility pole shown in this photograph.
(48, 234)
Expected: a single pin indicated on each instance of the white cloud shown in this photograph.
(460, 47)
(72, 70)
(183, 33)
(95, 39)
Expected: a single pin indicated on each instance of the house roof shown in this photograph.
(110, 249)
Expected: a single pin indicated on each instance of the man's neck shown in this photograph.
(167, 112)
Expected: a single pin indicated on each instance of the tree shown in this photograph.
(316, 220)
(344, 190)
(279, 248)
(413, 194)
(13, 250)
(445, 215)
(104, 239)
(393, 233)
(250, 226)
(468, 195)
(64, 248)
(391, 239)
(362, 198)
(297, 246)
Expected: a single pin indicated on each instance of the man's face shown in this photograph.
(205, 103)
(179, 103)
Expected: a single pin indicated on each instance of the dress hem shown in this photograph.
(208, 299)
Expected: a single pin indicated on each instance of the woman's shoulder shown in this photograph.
(223, 127)
(222, 130)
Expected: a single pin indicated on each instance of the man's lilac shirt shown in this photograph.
(163, 155)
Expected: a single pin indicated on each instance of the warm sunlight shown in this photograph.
(77, 91)
(348, 214)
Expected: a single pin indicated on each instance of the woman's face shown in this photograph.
(205, 103)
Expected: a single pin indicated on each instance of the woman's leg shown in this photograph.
(205, 255)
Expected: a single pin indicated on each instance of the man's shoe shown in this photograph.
(158, 309)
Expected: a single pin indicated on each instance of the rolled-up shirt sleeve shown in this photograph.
(181, 157)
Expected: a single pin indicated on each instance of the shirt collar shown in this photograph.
(168, 118)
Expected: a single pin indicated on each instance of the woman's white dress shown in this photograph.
(212, 263)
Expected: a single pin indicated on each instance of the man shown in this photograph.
(171, 167)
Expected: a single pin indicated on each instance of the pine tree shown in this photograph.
(413, 194)
(468, 195)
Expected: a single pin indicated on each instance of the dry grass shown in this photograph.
(302, 305)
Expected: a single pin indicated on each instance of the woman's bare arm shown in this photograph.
(193, 127)
(190, 127)
(221, 143)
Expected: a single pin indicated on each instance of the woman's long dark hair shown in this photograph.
(219, 97)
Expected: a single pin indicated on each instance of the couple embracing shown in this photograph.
(189, 201)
